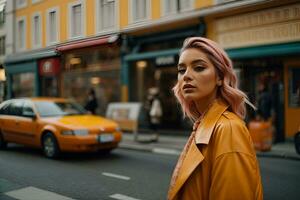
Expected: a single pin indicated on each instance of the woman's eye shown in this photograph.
(199, 68)
(181, 71)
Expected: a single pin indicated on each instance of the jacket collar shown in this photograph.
(205, 129)
(202, 136)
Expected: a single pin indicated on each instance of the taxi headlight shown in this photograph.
(75, 132)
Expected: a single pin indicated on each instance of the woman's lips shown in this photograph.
(188, 86)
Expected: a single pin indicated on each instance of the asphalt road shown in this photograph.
(123, 174)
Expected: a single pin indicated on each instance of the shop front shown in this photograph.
(151, 61)
(265, 46)
(91, 65)
(22, 74)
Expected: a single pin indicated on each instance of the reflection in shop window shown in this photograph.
(294, 87)
(23, 85)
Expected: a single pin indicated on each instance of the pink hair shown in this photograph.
(228, 91)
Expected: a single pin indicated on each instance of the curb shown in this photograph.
(170, 151)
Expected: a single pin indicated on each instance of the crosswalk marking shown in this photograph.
(116, 176)
(122, 197)
(166, 151)
(32, 193)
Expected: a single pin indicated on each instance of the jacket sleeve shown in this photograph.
(235, 173)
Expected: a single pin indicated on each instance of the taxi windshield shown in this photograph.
(55, 109)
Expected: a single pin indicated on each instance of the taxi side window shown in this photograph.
(15, 108)
(27, 108)
(5, 109)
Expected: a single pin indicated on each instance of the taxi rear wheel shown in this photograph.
(50, 146)
(3, 144)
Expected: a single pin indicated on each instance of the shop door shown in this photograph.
(49, 86)
(292, 97)
(172, 115)
(264, 86)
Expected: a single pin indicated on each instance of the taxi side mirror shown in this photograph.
(29, 114)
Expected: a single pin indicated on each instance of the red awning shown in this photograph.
(87, 43)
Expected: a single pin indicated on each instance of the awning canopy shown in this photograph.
(87, 43)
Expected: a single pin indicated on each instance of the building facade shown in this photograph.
(121, 48)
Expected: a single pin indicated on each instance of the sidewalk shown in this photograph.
(173, 145)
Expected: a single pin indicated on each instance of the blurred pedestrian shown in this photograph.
(264, 105)
(91, 104)
(155, 112)
(218, 161)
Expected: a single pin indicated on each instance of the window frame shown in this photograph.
(148, 12)
(33, 36)
(98, 15)
(164, 3)
(56, 10)
(83, 19)
(18, 20)
(23, 5)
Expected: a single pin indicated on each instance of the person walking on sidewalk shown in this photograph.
(155, 112)
(218, 161)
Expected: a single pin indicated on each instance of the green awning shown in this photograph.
(265, 51)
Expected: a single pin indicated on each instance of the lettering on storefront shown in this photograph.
(263, 27)
(166, 60)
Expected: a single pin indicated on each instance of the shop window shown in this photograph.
(21, 33)
(294, 87)
(76, 20)
(140, 10)
(36, 33)
(175, 6)
(52, 26)
(23, 85)
(106, 19)
(2, 46)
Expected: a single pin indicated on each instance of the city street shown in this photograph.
(121, 175)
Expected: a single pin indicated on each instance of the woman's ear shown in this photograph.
(219, 82)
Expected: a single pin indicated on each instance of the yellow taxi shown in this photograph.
(55, 125)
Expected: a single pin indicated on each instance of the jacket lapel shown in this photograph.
(194, 157)
(188, 166)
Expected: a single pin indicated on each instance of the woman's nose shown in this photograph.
(187, 75)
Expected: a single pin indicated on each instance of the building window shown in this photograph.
(2, 14)
(35, 1)
(176, 6)
(76, 19)
(21, 33)
(294, 87)
(21, 3)
(140, 10)
(106, 11)
(2, 45)
(52, 26)
(36, 30)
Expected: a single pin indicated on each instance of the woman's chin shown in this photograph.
(189, 97)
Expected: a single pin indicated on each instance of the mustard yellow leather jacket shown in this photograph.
(221, 162)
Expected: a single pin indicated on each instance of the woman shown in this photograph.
(218, 161)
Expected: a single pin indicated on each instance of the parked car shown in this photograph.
(297, 141)
(55, 125)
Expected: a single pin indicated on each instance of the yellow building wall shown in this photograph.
(155, 9)
(123, 13)
(203, 3)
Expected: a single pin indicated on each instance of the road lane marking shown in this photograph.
(33, 193)
(122, 197)
(166, 151)
(116, 176)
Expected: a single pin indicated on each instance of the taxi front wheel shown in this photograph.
(50, 146)
(3, 144)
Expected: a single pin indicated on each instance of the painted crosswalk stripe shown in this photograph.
(166, 151)
(33, 193)
(122, 197)
(116, 176)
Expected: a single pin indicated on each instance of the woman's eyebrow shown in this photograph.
(180, 65)
(198, 61)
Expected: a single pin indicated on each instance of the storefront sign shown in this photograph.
(49, 66)
(263, 27)
(166, 60)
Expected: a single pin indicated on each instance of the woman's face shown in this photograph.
(197, 76)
